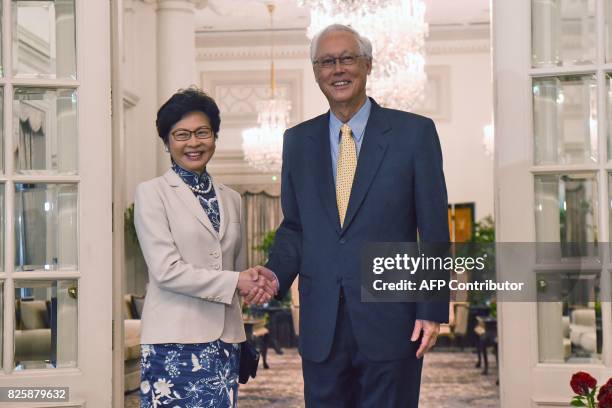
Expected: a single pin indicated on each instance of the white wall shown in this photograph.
(140, 86)
(468, 171)
(139, 76)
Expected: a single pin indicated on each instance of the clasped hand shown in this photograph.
(257, 285)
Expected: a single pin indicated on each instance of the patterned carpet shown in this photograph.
(449, 381)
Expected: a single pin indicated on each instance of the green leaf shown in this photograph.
(577, 403)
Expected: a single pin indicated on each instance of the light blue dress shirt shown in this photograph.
(357, 124)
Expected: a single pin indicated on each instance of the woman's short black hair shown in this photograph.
(183, 102)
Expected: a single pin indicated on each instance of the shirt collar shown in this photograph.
(189, 177)
(357, 123)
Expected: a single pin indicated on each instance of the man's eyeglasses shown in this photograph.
(329, 62)
(182, 135)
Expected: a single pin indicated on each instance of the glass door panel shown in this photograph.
(45, 131)
(563, 32)
(46, 227)
(44, 39)
(45, 324)
(565, 119)
(570, 330)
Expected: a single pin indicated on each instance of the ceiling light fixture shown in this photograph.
(397, 29)
(263, 145)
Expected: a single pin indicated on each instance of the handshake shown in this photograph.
(257, 285)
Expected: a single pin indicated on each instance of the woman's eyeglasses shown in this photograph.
(202, 133)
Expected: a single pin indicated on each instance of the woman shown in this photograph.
(190, 229)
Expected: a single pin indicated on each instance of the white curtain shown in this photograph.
(263, 214)
(30, 125)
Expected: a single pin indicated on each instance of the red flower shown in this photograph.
(581, 382)
(604, 397)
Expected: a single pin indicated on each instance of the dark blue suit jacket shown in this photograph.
(398, 189)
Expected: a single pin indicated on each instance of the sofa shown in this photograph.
(32, 332)
(583, 329)
(131, 343)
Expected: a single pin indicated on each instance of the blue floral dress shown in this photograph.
(203, 375)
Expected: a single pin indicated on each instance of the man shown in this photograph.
(357, 174)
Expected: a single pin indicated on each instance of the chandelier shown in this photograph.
(397, 30)
(263, 145)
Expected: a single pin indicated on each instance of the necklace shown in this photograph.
(198, 190)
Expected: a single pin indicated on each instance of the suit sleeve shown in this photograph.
(431, 211)
(285, 255)
(166, 266)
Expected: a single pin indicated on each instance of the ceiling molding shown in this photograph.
(302, 52)
(449, 32)
(250, 38)
(199, 4)
(34, 51)
(458, 47)
(130, 99)
(217, 54)
(297, 36)
(293, 43)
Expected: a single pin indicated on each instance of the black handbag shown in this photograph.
(249, 360)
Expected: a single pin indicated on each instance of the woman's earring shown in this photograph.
(166, 149)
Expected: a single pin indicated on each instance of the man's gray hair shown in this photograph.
(365, 46)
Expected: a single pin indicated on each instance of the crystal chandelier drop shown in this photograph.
(397, 30)
(263, 145)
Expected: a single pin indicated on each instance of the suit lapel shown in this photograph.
(325, 186)
(190, 200)
(371, 154)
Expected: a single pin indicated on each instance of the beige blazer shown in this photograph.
(191, 297)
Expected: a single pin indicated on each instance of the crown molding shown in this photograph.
(301, 52)
(293, 43)
(457, 47)
(199, 4)
(130, 99)
(251, 38)
(260, 53)
(297, 36)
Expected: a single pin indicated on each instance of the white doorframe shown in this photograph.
(118, 200)
(524, 381)
(90, 381)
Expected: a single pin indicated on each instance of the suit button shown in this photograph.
(342, 241)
